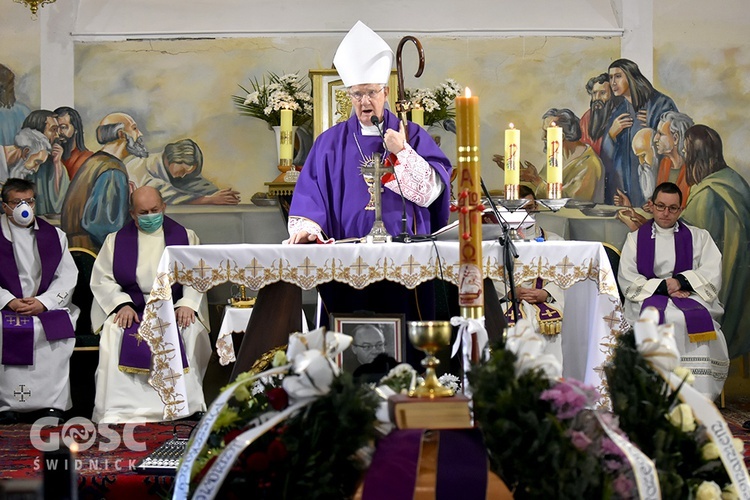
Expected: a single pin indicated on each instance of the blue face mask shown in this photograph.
(150, 223)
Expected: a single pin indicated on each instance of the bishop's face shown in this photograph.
(368, 100)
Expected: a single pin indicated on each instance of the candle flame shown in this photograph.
(74, 447)
(511, 125)
(467, 92)
(552, 124)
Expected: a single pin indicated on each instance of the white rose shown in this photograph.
(739, 445)
(710, 451)
(682, 417)
(729, 493)
(708, 490)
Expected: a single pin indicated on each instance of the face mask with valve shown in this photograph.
(150, 223)
(23, 214)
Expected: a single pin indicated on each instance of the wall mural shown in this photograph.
(629, 138)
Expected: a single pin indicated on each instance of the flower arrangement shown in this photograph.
(533, 421)
(304, 429)
(438, 103)
(265, 100)
(658, 422)
(318, 451)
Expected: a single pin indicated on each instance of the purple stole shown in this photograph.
(700, 326)
(402, 466)
(18, 330)
(135, 355)
(549, 318)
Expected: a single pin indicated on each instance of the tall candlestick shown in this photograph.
(554, 161)
(286, 146)
(512, 162)
(417, 115)
(470, 286)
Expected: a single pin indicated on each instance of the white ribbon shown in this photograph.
(646, 475)
(656, 342)
(312, 363)
(658, 346)
(706, 413)
(528, 346)
(203, 431)
(214, 478)
(466, 328)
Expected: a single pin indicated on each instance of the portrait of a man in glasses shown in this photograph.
(373, 349)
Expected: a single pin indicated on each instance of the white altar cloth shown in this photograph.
(591, 320)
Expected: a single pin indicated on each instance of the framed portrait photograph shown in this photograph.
(372, 335)
(331, 103)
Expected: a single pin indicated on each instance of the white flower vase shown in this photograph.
(289, 173)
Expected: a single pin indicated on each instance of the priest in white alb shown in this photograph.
(677, 269)
(121, 282)
(37, 336)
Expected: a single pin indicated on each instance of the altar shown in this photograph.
(592, 315)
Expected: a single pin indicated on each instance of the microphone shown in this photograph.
(404, 237)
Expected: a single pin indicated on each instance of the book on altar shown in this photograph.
(491, 227)
(430, 413)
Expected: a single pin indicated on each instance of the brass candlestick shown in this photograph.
(430, 337)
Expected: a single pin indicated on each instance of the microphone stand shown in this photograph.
(404, 236)
(509, 251)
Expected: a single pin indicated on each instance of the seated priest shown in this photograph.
(677, 269)
(37, 278)
(121, 281)
(540, 301)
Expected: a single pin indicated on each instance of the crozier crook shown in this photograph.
(402, 106)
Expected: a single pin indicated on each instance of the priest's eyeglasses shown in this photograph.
(673, 209)
(16, 202)
(370, 94)
(370, 347)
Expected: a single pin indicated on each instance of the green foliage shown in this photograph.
(323, 439)
(529, 447)
(642, 399)
(312, 455)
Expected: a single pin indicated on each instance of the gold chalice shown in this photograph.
(430, 337)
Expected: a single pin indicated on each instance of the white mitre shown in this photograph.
(363, 57)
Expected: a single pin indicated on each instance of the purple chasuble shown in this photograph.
(18, 330)
(332, 192)
(700, 326)
(135, 355)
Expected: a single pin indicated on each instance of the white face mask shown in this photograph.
(23, 214)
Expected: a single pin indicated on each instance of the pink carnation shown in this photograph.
(570, 396)
(580, 440)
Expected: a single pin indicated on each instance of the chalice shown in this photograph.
(429, 337)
